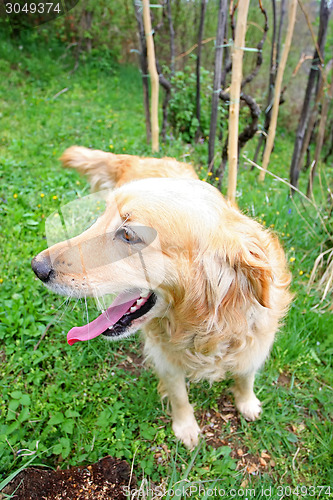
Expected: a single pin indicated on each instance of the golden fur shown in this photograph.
(224, 287)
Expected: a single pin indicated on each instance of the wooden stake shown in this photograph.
(144, 67)
(235, 87)
(221, 25)
(277, 90)
(320, 136)
(153, 75)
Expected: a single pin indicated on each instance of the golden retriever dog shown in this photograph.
(205, 284)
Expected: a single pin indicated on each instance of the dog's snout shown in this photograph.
(42, 267)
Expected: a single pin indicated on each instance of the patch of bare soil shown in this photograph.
(214, 423)
(103, 480)
(284, 380)
(133, 364)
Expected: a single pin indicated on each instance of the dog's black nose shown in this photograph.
(42, 268)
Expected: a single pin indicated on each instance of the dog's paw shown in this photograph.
(250, 409)
(187, 431)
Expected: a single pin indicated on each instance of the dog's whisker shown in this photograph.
(74, 305)
(79, 301)
(100, 299)
(105, 307)
(67, 302)
(59, 316)
(104, 304)
(85, 302)
(63, 303)
(100, 305)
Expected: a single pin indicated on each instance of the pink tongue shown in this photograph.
(104, 321)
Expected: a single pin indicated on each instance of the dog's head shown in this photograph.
(161, 244)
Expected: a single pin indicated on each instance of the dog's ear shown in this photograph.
(237, 274)
(252, 264)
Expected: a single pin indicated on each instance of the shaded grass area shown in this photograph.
(73, 405)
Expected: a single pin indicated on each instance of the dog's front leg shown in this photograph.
(246, 401)
(184, 424)
(173, 386)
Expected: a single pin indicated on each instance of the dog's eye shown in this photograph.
(128, 236)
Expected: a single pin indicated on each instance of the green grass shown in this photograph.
(73, 405)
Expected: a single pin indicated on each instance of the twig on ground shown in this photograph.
(294, 458)
(44, 334)
(59, 93)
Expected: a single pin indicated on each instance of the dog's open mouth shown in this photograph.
(118, 318)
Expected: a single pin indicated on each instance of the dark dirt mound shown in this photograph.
(100, 481)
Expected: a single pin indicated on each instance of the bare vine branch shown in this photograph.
(255, 71)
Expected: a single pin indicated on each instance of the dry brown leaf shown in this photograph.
(252, 468)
